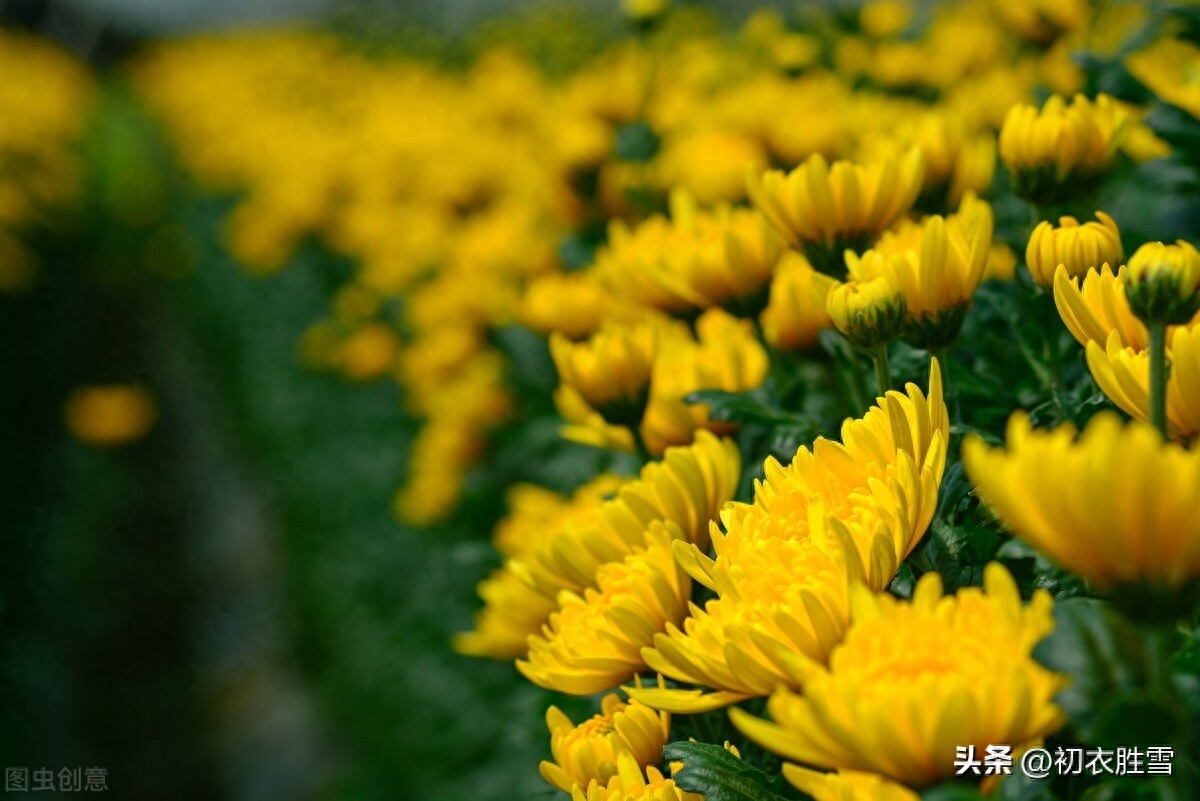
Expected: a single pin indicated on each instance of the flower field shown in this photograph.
(608, 405)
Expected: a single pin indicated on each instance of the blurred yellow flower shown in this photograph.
(1042, 21)
(572, 304)
(589, 752)
(846, 785)
(870, 312)
(825, 209)
(1061, 494)
(1163, 282)
(110, 415)
(512, 612)
(796, 312)
(1168, 68)
(644, 9)
(885, 18)
(1123, 374)
(1077, 247)
(1049, 152)
(611, 370)
(594, 641)
(914, 680)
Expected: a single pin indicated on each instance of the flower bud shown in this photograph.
(1164, 283)
(869, 313)
(1077, 247)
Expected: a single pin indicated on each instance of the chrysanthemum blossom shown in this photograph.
(590, 751)
(1079, 248)
(1123, 374)
(593, 642)
(611, 370)
(846, 785)
(824, 209)
(840, 513)
(1052, 150)
(796, 313)
(1061, 494)
(632, 784)
(912, 681)
(687, 488)
(515, 608)
(723, 354)
(938, 264)
(1096, 307)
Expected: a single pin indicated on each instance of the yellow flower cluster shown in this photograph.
(43, 110)
(840, 513)
(1098, 313)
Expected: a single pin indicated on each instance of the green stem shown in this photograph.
(639, 444)
(883, 373)
(1158, 377)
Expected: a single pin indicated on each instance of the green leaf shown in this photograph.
(1180, 129)
(720, 776)
(744, 407)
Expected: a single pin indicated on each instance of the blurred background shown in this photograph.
(223, 606)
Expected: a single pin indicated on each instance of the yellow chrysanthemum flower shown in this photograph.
(796, 312)
(1168, 68)
(631, 784)
(870, 312)
(1043, 21)
(110, 415)
(884, 19)
(512, 612)
(724, 257)
(698, 259)
(611, 370)
(846, 785)
(1077, 247)
(1096, 307)
(1123, 374)
(1061, 494)
(938, 264)
(589, 752)
(594, 641)
(1163, 282)
(515, 608)
(913, 680)
(687, 488)
(825, 209)
(535, 513)
(725, 354)
(837, 513)
(644, 9)
(572, 304)
(1049, 151)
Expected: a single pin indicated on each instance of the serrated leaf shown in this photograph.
(720, 776)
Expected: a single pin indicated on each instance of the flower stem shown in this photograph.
(1158, 377)
(639, 444)
(883, 373)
